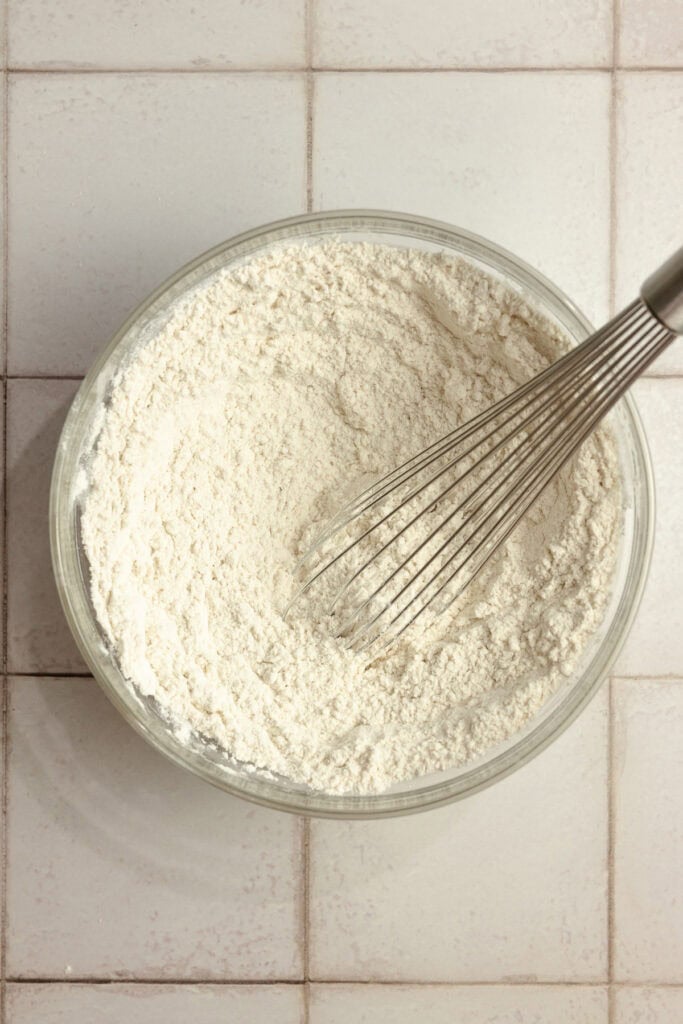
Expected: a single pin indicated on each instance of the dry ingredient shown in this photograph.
(229, 439)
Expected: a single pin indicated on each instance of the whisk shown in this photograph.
(413, 540)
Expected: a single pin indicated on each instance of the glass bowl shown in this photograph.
(206, 760)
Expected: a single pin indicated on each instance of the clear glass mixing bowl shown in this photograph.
(71, 565)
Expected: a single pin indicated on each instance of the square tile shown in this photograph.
(122, 865)
(651, 32)
(117, 180)
(519, 158)
(156, 34)
(38, 638)
(437, 33)
(655, 643)
(509, 884)
(648, 850)
(466, 1004)
(648, 1006)
(648, 180)
(74, 1003)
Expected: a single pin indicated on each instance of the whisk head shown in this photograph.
(412, 541)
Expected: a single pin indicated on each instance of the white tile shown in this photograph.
(519, 158)
(648, 779)
(122, 865)
(156, 34)
(655, 643)
(153, 1004)
(116, 180)
(466, 1004)
(38, 638)
(509, 884)
(651, 32)
(649, 210)
(648, 1006)
(437, 33)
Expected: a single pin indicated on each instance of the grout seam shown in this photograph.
(273, 69)
(504, 69)
(612, 244)
(306, 914)
(4, 725)
(310, 85)
(19, 69)
(613, 155)
(48, 675)
(611, 1010)
(293, 983)
(309, 15)
(88, 980)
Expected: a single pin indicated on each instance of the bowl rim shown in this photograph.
(483, 772)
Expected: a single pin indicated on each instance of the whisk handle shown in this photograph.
(663, 292)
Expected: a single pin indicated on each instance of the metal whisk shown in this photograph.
(414, 539)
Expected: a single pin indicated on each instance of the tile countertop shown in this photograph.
(137, 135)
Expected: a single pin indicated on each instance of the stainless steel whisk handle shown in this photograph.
(662, 292)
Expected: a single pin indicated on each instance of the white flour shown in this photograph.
(230, 437)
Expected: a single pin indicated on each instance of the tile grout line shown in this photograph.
(309, 104)
(341, 69)
(306, 822)
(297, 983)
(4, 727)
(612, 244)
(610, 854)
(611, 1010)
(44, 377)
(306, 913)
(49, 675)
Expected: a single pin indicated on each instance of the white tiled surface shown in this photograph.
(463, 1004)
(152, 169)
(648, 838)
(154, 1004)
(157, 34)
(37, 637)
(650, 33)
(138, 135)
(122, 865)
(649, 1006)
(499, 33)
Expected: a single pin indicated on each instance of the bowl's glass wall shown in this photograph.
(71, 569)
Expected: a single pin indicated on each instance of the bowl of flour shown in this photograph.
(222, 426)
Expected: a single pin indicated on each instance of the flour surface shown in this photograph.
(234, 433)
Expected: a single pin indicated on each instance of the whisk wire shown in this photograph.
(565, 369)
(569, 361)
(517, 509)
(492, 469)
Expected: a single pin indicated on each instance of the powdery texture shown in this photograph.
(229, 439)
